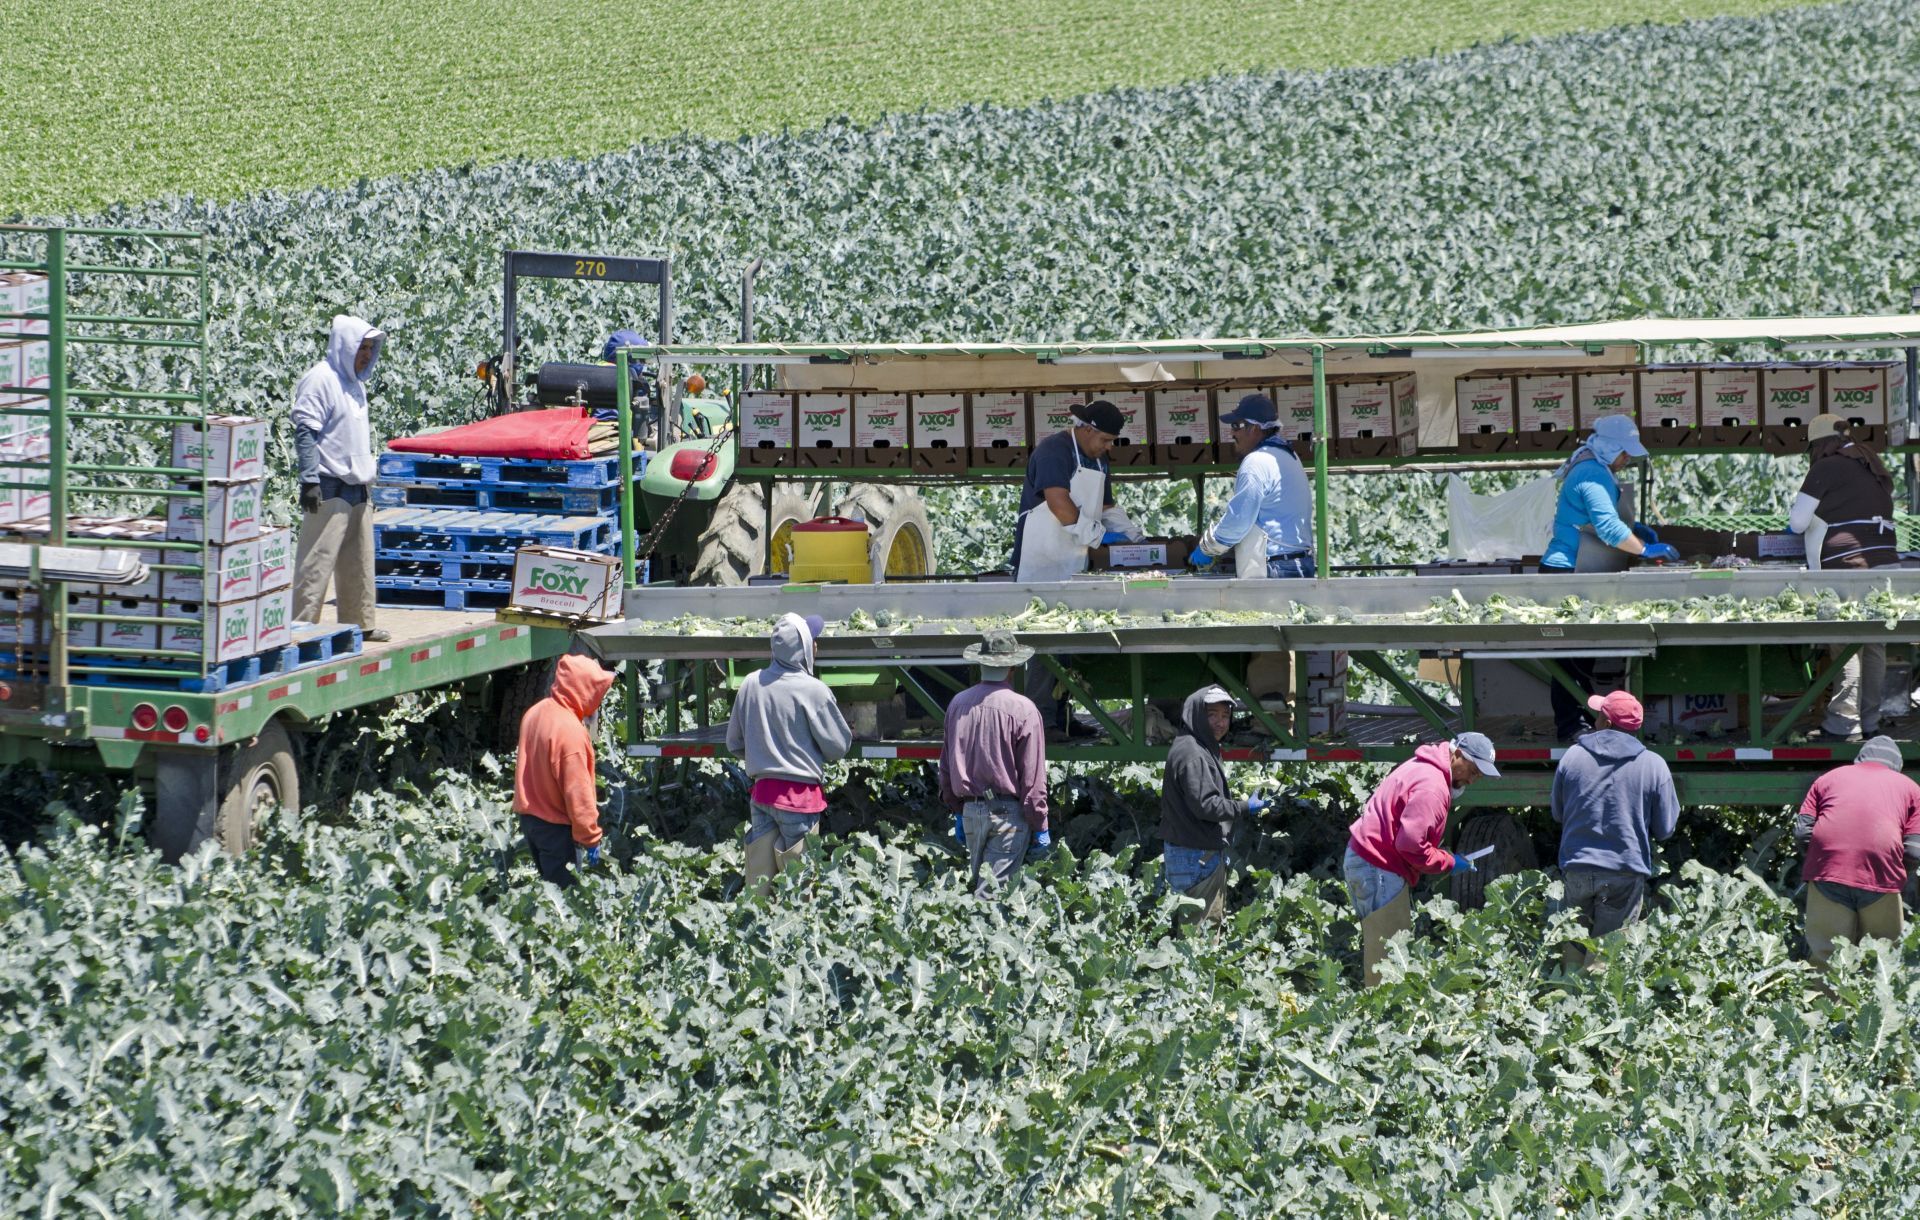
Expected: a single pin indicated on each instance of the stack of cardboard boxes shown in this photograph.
(242, 603)
(26, 366)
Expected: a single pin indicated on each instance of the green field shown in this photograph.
(219, 100)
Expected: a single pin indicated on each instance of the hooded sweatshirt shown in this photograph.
(1401, 827)
(1589, 496)
(1195, 810)
(785, 723)
(1612, 796)
(553, 780)
(331, 433)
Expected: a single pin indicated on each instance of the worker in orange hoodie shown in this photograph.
(553, 780)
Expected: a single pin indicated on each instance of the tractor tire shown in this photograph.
(733, 546)
(899, 533)
(255, 776)
(1512, 853)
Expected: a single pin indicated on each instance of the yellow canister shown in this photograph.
(830, 548)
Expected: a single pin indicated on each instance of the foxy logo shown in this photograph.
(937, 420)
(1546, 402)
(1607, 402)
(550, 580)
(1183, 415)
(1788, 394)
(273, 613)
(1000, 419)
(825, 419)
(1851, 398)
(1674, 399)
(1365, 409)
(1484, 405)
(773, 420)
(882, 419)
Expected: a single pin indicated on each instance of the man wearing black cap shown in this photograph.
(1268, 524)
(1066, 506)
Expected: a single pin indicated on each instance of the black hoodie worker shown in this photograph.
(1196, 811)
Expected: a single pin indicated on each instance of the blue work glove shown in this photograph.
(1112, 537)
(960, 829)
(1200, 559)
(1660, 552)
(589, 856)
(1041, 847)
(1790, 528)
(1256, 803)
(1644, 533)
(1463, 865)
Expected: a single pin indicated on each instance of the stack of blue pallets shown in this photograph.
(447, 528)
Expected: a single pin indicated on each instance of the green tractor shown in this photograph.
(697, 524)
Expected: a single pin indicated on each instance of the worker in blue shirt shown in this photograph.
(1268, 523)
(1589, 535)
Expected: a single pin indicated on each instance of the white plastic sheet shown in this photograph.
(1506, 526)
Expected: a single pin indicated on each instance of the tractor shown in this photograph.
(696, 523)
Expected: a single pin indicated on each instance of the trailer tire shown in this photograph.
(1512, 853)
(514, 692)
(733, 548)
(899, 532)
(254, 776)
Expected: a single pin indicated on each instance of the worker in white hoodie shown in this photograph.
(334, 443)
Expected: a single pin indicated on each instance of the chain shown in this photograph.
(673, 506)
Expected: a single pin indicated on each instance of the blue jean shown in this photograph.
(792, 827)
(1182, 868)
(1285, 567)
(1370, 886)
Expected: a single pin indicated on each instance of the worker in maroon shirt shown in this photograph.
(1860, 825)
(993, 767)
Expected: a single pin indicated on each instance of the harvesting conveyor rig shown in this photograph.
(1119, 644)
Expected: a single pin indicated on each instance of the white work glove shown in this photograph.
(1115, 521)
(1209, 547)
(1087, 531)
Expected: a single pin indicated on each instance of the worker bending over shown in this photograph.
(1612, 797)
(993, 769)
(1196, 811)
(1845, 514)
(1589, 535)
(1066, 506)
(1396, 839)
(553, 788)
(333, 440)
(1860, 826)
(787, 728)
(1268, 522)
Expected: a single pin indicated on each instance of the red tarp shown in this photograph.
(556, 434)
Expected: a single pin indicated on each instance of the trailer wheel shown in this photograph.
(254, 777)
(900, 535)
(1512, 853)
(733, 547)
(514, 691)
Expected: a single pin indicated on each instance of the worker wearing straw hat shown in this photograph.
(993, 767)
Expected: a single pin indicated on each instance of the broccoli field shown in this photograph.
(382, 1011)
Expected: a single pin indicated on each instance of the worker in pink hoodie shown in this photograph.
(553, 789)
(1396, 839)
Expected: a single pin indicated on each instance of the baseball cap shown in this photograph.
(1478, 747)
(1622, 431)
(816, 626)
(1253, 409)
(1621, 709)
(1883, 750)
(1821, 426)
(1101, 414)
(618, 340)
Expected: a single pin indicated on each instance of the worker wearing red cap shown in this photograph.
(1613, 798)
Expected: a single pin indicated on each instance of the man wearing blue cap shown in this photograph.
(1268, 523)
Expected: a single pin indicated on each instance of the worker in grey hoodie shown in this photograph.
(1612, 797)
(1196, 811)
(786, 727)
(333, 440)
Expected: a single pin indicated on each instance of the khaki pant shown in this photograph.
(336, 544)
(1379, 928)
(1211, 890)
(1829, 921)
(1855, 706)
(775, 839)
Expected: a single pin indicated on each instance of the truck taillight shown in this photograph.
(202, 733)
(145, 716)
(175, 718)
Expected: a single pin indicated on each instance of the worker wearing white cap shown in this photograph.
(1860, 826)
(1589, 535)
(1845, 513)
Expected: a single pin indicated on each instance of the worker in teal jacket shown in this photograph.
(1589, 535)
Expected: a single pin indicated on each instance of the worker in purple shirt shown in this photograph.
(993, 768)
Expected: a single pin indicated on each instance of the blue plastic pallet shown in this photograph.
(499, 497)
(437, 597)
(219, 676)
(311, 646)
(478, 572)
(456, 534)
(434, 468)
(420, 553)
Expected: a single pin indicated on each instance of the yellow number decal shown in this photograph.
(589, 267)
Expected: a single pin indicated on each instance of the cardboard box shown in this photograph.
(230, 448)
(556, 580)
(1328, 665)
(938, 437)
(1376, 417)
(766, 421)
(130, 637)
(12, 300)
(1293, 403)
(1134, 446)
(1544, 410)
(233, 574)
(1861, 392)
(1598, 392)
(1693, 713)
(273, 620)
(215, 633)
(36, 498)
(82, 634)
(1001, 430)
(1730, 405)
(19, 615)
(1147, 553)
(232, 509)
(880, 421)
(13, 372)
(1791, 395)
(1183, 426)
(1484, 412)
(1053, 412)
(23, 292)
(824, 434)
(276, 559)
(1669, 406)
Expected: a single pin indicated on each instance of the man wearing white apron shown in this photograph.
(1066, 506)
(1268, 524)
(1845, 514)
